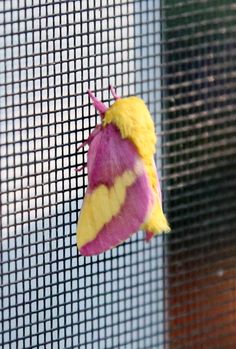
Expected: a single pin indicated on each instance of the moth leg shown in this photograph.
(90, 137)
(82, 145)
(149, 235)
(80, 168)
(87, 142)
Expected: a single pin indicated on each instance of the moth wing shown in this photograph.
(118, 196)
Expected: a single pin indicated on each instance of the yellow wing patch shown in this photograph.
(102, 204)
(134, 122)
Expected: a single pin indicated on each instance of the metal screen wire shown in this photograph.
(176, 292)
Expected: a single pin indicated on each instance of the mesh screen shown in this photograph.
(178, 291)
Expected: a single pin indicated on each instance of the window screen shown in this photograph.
(200, 169)
(178, 291)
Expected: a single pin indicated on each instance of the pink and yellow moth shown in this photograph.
(123, 193)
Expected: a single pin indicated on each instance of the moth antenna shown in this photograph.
(100, 106)
(113, 92)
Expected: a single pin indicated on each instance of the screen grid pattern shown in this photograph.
(179, 290)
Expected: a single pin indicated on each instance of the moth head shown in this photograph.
(131, 116)
(99, 105)
(127, 110)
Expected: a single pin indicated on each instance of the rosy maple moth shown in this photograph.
(123, 193)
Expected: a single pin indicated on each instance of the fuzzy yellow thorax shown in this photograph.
(135, 123)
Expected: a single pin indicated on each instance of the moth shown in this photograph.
(123, 194)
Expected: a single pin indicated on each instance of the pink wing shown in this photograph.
(109, 158)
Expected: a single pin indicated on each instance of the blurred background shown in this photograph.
(176, 292)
